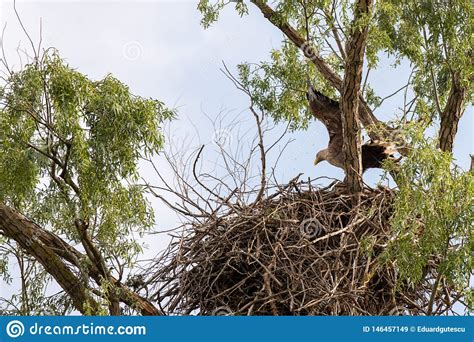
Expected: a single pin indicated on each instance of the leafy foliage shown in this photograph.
(432, 216)
(210, 11)
(33, 299)
(69, 150)
(279, 86)
(435, 36)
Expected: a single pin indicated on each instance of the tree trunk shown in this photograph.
(20, 229)
(452, 114)
(350, 97)
(55, 254)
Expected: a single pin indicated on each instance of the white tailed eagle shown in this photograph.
(327, 111)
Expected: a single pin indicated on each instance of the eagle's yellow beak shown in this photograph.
(317, 160)
(320, 156)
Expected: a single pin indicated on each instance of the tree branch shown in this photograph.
(366, 116)
(15, 226)
(335, 34)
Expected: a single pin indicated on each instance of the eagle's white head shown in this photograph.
(320, 156)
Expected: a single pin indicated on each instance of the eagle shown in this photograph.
(326, 110)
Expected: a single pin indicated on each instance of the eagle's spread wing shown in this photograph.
(327, 111)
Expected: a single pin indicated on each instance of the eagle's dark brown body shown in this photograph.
(327, 111)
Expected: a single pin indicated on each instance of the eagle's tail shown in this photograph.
(375, 152)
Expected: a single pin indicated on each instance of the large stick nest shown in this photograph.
(302, 251)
